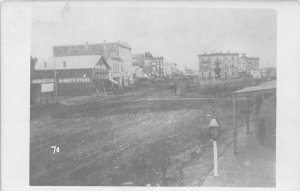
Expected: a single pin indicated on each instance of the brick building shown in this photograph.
(223, 64)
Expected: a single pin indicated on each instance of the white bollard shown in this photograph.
(215, 158)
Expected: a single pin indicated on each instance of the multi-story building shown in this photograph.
(117, 54)
(218, 65)
(252, 63)
(248, 64)
(169, 69)
(243, 63)
(152, 66)
(158, 63)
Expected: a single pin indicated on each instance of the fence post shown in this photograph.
(234, 125)
(248, 115)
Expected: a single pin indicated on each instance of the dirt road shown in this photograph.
(115, 141)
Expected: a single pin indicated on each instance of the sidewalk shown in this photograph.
(253, 166)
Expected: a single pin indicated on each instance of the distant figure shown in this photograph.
(173, 88)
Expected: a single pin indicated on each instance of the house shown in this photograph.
(74, 75)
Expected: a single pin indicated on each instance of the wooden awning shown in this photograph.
(264, 87)
(247, 92)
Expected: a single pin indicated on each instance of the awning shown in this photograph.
(264, 87)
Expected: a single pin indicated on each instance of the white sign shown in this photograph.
(49, 87)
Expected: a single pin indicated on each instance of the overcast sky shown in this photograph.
(178, 34)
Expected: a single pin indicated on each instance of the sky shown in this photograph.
(177, 34)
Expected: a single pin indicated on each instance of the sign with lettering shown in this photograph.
(74, 80)
(41, 81)
(62, 80)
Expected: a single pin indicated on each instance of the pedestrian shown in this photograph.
(171, 87)
(175, 89)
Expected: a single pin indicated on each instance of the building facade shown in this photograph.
(74, 75)
(170, 69)
(152, 66)
(226, 65)
(117, 54)
(159, 63)
(252, 63)
(218, 65)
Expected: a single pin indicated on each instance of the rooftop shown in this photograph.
(70, 62)
(270, 85)
(106, 49)
(218, 54)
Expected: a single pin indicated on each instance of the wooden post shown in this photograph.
(215, 150)
(234, 125)
(248, 115)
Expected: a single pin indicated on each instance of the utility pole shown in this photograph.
(55, 78)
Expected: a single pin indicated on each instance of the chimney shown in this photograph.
(228, 51)
(204, 53)
(221, 52)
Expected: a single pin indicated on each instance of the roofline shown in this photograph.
(218, 53)
(252, 58)
(119, 43)
(241, 93)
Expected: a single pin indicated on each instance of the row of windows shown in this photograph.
(211, 74)
(219, 58)
(208, 66)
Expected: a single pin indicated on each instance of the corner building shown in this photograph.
(227, 62)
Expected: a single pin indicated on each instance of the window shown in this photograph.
(232, 73)
(64, 64)
(45, 64)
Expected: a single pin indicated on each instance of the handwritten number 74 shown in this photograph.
(55, 149)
